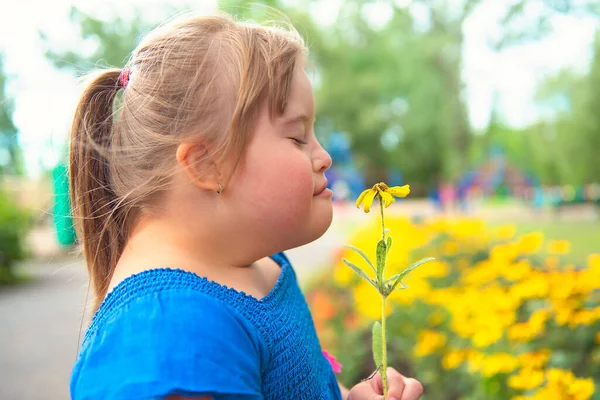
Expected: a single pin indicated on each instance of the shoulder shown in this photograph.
(169, 308)
(171, 341)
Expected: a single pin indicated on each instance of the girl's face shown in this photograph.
(279, 184)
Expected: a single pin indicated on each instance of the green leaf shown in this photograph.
(393, 279)
(389, 243)
(401, 275)
(363, 255)
(381, 256)
(360, 272)
(377, 344)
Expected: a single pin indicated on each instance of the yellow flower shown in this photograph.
(517, 271)
(368, 301)
(594, 261)
(453, 359)
(525, 331)
(499, 363)
(562, 384)
(531, 242)
(429, 342)
(450, 248)
(385, 192)
(475, 361)
(560, 377)
(534, 360)
(342, 274)
(486, 336)
(526, 378)
(504, 253)
(581, 389)
(559, 246)
(583, 317)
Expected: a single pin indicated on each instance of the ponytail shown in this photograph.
(98, 218)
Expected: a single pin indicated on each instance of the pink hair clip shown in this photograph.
(124, 77)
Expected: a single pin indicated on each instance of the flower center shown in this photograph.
(380, 186)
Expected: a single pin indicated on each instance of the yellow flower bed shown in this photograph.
(497, 315)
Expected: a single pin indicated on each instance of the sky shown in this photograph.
(45, 98)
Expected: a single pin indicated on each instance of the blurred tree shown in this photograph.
(11, 160)
(112, 42)
(388, 74)
(14, 221)
(396, 86)
(588, 120)
(547, 148)
(573, 131)
(524, 20)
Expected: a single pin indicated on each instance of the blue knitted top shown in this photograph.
(168, 331)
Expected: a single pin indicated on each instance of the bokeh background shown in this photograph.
(489, 109)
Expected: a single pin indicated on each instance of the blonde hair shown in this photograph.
(198, 78)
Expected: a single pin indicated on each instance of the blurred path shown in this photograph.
(39, 327)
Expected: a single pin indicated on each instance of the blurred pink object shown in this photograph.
(335, 365)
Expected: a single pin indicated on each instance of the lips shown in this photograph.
(321, 188)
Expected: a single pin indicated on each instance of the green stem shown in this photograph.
(384, 349)
(383, 299)
(382, 220)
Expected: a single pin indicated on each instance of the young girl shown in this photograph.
(186, 193)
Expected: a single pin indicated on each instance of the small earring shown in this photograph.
(220, 188)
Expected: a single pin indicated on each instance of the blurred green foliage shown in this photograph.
(14, 224)
(11, 160)
(396, 87)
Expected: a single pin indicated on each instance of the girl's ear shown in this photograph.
(194, 160)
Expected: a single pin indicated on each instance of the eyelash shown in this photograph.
(298, 141)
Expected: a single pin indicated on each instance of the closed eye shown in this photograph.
(299, 141)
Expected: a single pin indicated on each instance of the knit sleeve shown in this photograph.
(171, 342)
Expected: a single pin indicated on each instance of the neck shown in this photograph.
(208, 247)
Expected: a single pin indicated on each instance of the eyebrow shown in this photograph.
(295, 119)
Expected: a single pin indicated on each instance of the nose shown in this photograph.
(322, 160)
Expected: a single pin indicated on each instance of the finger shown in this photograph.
(394, 378)
(396, 384)
(412, 389)
(376, 383)
(364, 391)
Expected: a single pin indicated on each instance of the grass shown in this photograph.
(583, 235)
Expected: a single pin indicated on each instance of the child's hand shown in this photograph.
(399, 388)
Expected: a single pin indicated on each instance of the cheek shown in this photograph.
(273, 199)
(286, 181)
(278, 188)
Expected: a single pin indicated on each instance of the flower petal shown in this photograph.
(369, 197)
(399, 191)
(387, 198)
(361, 197)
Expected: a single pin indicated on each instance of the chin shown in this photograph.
(312, 232)
(322, 224)
(301, 229)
